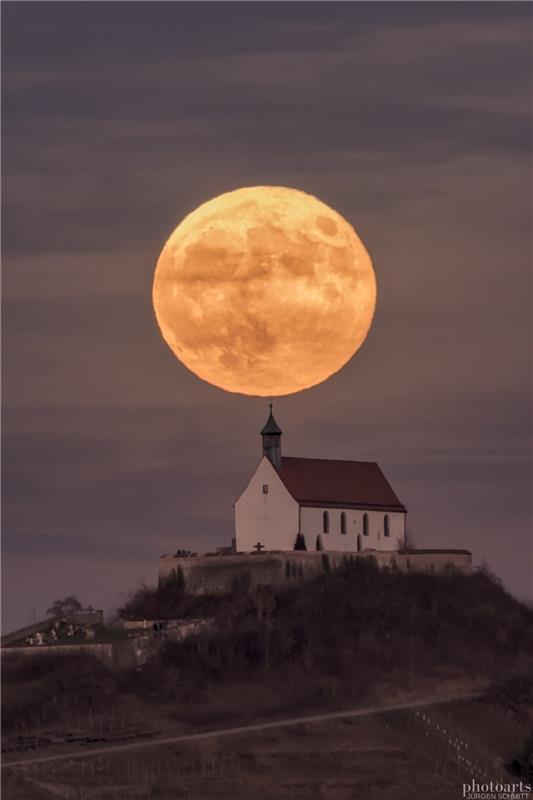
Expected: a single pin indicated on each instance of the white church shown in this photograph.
(316, 504)
(347, 509)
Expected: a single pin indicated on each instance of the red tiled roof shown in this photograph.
(324, 482)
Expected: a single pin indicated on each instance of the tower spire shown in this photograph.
(271, 434)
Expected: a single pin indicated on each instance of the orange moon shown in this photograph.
(264, 291)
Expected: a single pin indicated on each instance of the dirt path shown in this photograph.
(244, 729)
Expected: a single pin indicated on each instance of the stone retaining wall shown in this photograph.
(117, 656)
(216, 574)
(103, 651)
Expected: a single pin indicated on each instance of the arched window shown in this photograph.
(366, 530)
(386, 525)
(343, 522)
(325, 522)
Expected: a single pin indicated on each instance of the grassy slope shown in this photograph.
(365, 622)
(351, 634)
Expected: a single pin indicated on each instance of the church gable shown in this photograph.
(266, 516)
(266, 477)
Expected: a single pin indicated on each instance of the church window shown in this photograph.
(386, 525)
(343, 522)
(325, 522)
(366, 530)
(265, 488)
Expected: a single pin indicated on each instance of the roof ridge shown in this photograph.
(338, 460)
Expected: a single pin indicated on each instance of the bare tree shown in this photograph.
(409, 542)
(66, 605)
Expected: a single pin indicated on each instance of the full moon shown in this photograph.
(264, 291)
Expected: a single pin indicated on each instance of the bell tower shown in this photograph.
(271, 434)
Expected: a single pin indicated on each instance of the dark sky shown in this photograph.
(412, 120)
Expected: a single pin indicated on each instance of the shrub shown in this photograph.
(64, 606)
(175, 581)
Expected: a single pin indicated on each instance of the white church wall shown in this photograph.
(312, 525)
(270, 518)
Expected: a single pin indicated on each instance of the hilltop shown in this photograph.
(345, 635)
(357, 636)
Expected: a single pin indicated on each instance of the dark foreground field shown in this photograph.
(359, 637)
(416, 754)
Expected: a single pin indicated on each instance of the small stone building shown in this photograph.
(339, 506)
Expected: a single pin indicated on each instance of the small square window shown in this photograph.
(265, 488)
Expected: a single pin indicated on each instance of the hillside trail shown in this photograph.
(420, 702)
